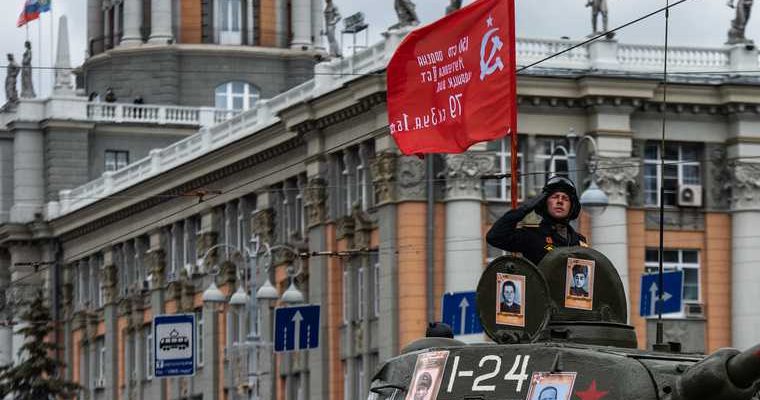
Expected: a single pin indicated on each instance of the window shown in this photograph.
(346, 316)
(199, 335)
(360, 389)
(176, 247)
(499, 190)
(361, 294)
(192, 228)
(375, 262)
(229, 21)
(678, 260)
(102, 365)
(681, 167)
(551, 157)
(148, 354)
(364, 191)
(346, 381)
(116, 159)
(236, 96)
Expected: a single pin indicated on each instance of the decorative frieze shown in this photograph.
(719, 179)
(463, 173)
(615, 175)
(204, 242)
(344, 228)
(315, 201)
(383, 167)
(155, 260)
(410, 175)
(109, 277)
(363, 225)
(745, 188)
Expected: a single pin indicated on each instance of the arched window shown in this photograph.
(236, 96)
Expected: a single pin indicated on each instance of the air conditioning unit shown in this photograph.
(694, 310)
(690, 196)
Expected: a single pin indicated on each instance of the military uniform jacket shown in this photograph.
(532, 241)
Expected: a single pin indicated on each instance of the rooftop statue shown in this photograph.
(332, 17)
(736, 33)
(12, 70)
(599, 7)
(406, 14)
(453, 6)
(27, 87)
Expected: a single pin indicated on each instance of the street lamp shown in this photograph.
(593, 199)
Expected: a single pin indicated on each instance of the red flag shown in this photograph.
(452, 83)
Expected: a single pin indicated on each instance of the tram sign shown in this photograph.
(174, 345)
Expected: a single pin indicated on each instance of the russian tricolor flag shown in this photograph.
(32, 10)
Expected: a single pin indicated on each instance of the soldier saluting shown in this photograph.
(557, 204)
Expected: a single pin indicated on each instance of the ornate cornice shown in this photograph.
(463, 172)
(615, 175)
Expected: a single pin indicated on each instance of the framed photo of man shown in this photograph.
(510, 300)
(428, 373)
(551, 386)
(579, 287)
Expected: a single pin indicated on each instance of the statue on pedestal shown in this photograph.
(598, 7)
(27, 87)
(332, 17)
(736, 33)
(453, 6)
(406, 14)
(12, 70)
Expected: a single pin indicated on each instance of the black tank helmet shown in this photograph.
(564, 185)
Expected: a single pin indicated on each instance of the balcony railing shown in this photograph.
(157, 114)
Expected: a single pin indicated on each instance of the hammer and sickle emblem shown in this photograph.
(489, 65)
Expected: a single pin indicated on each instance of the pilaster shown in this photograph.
(161, 22)
(745, 276)
(609, 230)
(156, 264)
(28, 172)
(463, 232)
(300, 24)
(109, 276)
(133, 16)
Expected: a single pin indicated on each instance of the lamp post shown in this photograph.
(593, 199)
(240, 299)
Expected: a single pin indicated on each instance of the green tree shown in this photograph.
(37, 376)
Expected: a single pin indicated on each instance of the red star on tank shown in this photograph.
(591, 393)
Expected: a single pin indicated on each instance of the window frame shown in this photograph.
(226, 92)
(652, 266)
(680, 164)
(112, 162)
(503, 186)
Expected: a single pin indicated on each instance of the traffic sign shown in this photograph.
(460, 311)
(174, 345)
(296, 328)
(672, 297)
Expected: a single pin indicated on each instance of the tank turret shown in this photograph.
(559, 331)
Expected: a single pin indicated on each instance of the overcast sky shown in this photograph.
(694, 22)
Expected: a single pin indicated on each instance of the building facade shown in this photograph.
(314, 169)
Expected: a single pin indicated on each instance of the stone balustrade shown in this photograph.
(218, 128)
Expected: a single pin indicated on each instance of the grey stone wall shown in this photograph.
(6, 178)
(188, 76)
(138, 145)
(65, 161)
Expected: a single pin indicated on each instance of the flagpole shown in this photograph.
(39, 55)
(52, 47)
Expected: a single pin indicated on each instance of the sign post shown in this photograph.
(460, 312)
(296, 328)
(174, 345)
(672, 297)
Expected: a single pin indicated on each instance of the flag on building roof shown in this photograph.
(32, 10)
(451, 84)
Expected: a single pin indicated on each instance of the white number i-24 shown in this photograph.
(491, 365)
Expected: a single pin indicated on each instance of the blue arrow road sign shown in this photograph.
(296, 328)
(460, 311)
(174, 345)
(672, 297)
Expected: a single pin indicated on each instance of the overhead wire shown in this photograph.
(336, 147)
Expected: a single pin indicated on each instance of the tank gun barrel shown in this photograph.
(727, 374)
(744, 368)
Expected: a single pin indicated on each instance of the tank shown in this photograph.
(559, 331)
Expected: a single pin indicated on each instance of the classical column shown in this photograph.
(107, 37)
(117, 23)
(94, 26)
(609, 231)
(300, 24)
(28, 172)
(161, 21)
(745, 276)
(133, 16)
(317, 24)
(315, 200)
(463, 235)
(108, 277)
(156, 264)
(383, 169)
